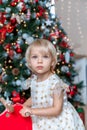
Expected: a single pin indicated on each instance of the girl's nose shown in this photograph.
(40, 60)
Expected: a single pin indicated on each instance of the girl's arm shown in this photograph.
(28, 103)
(9, 107)
(3, 101)
(55, 110)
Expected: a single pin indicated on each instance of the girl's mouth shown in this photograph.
(40, 67)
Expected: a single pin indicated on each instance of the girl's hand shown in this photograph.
(25, 111)
(8, 106)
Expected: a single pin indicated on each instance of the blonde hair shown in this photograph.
(46, 45)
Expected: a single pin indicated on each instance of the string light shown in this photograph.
(69, 65)
(16, 78)
(6, 67)
(58, 63)
(6, 83)
(10, 67)
(9, 61)
(21, 64)
(74, 22)
(58, 71)
(63, 62)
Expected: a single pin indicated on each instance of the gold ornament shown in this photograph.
(7, 114)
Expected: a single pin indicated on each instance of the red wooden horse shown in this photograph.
(14, 121)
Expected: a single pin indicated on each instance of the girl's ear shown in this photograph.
(52, 66)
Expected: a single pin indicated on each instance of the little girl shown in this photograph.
(48, 105)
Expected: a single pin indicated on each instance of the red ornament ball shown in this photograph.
(18, 50)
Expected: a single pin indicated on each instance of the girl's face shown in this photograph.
(40, 61)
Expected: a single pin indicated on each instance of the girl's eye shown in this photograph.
(34, 57)
(46, 56)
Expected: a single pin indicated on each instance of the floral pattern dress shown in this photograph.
(42, 97)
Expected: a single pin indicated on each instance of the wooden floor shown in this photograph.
(85, 110)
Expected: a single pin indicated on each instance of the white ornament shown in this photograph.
(20, 41)
(48, 22)
(67, 57)
(48, 4)
(28, 14)
(25, 36)
(20, 5)
(4, 1)
(43, 26)
(13, 83)
(46, 31)
(29, 40)
(18, 19)
(25, 1)
(16, 56)
(8, 10)
(18, 82)
(64, 69)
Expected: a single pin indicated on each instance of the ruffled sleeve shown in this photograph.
(26, 84)
(59, 87)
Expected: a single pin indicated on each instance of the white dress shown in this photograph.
(41, 94)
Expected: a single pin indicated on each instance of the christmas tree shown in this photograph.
(21, 22)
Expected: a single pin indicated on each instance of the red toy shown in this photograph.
(14, 121)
